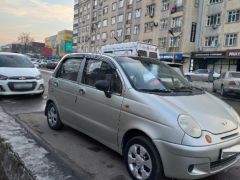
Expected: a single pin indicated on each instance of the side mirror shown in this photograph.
(103, 85)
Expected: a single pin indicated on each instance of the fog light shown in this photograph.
(41, 87)
(208, 139)
(2, 89)
(190, 168)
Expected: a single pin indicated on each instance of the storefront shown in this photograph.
(219, 61)
(171, 57)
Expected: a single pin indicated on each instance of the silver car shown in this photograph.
(228, 82)
(147, 112)
(200, 75)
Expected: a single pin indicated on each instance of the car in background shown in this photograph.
(18, 75)
(42, 63)
(51, 64)
(177, 67)
(144, 110)
(200, 75)
(35, 62)
(228, 82)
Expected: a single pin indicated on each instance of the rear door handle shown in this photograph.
(81, 91)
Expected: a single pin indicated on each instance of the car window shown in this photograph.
(15, 61)
(142, 53)
(153, 55)
(202, 71)
(69, 69)
(96, 70)
(222, 75)
(235, 75)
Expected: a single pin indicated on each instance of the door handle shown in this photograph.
(81, 91)
(55, 84)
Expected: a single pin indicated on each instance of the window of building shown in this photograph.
(69, 69)
(233, 16)
(165, 5)
(129, 16)
(98, 36)
(148, 27)
(113, 20)
(231, 39)
(128, 31)
(211, 41)
(214, 19)
(93, 38)
(136, 29)
(120, 3)
(138, 13)
(96, 70)
(105, 22)
(105, 10)
(148, 41)
(164, 24)
(162, 42)
(174, 41)
(114, 6)
(119, 32)
(99, 24)
(104, 36)
(150, 10)
(129, 2)
(215, 1)
(120, 18)
(112, 35)
(177, 22)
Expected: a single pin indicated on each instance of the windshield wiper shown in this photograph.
(182, 89)
(156, 90)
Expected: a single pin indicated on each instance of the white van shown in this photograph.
(131, 49)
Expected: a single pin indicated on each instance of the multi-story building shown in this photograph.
(218, 42)
(100, 22)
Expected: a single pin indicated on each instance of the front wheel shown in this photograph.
(53, 118)
(142, 159)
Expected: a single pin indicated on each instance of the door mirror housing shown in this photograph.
(103, 85)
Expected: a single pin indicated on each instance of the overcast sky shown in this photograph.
(40, 18)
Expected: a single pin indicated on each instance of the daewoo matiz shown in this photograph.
(147, 112)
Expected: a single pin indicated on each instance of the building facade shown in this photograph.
(218, 42)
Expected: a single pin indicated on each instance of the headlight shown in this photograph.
(39, 77)
(2, 77)
(190, 126)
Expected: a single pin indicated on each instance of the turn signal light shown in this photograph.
(208, 139)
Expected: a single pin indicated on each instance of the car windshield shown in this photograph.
(146, 74)
(15, 61)
(235, 75)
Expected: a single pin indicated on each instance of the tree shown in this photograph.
(25, 40)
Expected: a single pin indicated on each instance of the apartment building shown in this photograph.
(169, 24)
(218, 42)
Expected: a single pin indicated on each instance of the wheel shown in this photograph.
(142, 159)
(222, 91)
(213, 89)
(53, 118)
(189, 78)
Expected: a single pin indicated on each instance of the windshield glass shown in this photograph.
(150, 75)
(15, 61)
(235, 75)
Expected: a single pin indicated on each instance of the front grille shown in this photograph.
(12, 86)
(224, 162)
(21, 77)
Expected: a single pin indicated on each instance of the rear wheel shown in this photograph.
(142, 159)
(223, 93)
(213, 89)
(53, 118)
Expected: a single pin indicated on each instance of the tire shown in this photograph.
(213, 89)
(150, 163)
(189, 78)
(222, 91)
(53, 119)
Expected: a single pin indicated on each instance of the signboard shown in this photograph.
(211, 54)
(233, 54)
(170, 57)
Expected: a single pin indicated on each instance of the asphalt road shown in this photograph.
(87, 157)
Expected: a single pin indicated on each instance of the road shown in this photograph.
(87, 157)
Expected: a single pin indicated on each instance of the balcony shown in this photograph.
(176, 9)
(176, 29)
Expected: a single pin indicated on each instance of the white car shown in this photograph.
(19, 76)
(200, 75)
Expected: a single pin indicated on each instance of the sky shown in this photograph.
(40, 18)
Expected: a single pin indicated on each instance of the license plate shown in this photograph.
(231, 151)
(23, 86)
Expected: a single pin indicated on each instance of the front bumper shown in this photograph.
(187, 162)
(7, 89)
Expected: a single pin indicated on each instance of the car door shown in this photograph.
(218, 83)
(66, 87)
(100, 114)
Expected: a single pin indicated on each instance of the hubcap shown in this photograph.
(139, 162)
(52, 116)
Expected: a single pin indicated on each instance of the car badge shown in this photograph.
(22, 78)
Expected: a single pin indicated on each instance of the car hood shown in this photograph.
(212, 114)
(11, 72)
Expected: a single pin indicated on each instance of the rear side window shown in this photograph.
(15, 61)
(69, 69)
(153, 55)
(235, 75)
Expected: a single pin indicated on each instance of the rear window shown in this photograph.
(15, 61)
(235, 75)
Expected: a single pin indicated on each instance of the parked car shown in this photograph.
(42, 63)
(144, 110)
(200, 75)
(51, 64)
(19, 76)
(228, 82)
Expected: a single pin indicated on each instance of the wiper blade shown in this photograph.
(182, 89)
(156, 90)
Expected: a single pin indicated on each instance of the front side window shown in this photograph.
(69, 69)
(96, 70)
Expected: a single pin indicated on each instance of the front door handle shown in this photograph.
(81, 91)
(55, 84)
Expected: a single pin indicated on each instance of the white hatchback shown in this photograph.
(19, 76)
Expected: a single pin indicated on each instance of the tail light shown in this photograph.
(232, 83)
